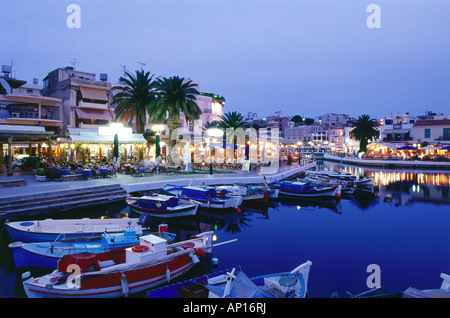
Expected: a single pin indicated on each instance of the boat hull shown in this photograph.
(333, 191)
(187, 210)
(111, 285)
(206, 203)
(50, 230)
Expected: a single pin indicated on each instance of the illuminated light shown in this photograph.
(214, 237)
(298, 207)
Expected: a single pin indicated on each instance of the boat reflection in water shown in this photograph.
(311, 204)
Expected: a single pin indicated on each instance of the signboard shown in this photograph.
(246, 165)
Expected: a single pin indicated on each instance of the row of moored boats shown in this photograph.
(119, 257)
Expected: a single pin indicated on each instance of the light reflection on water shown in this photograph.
(431, 186)
(400, 226)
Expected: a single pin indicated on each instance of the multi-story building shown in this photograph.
(21, 104)
(431, 131)
(85, 100)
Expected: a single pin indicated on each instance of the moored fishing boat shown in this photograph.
(236, 284)
(47, 254)
(306, 189)
(118, 273)
(206, 196)
(50, 230)
(343, 176)
(248, 193)
(164, 206)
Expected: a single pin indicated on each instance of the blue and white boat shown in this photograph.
(306, 188)
(163, 206)
(50, 230)
(207, 196)
(236, 284)
(47, 254)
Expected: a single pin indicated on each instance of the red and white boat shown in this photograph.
(120, 272)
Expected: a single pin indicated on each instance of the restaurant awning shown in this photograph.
(88, 135)
(396, 131)
(93, 93)
(24, 133)
(94, 114)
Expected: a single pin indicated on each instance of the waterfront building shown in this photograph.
(432, 131)
(87, 111)
(27, 120)
(86, 101)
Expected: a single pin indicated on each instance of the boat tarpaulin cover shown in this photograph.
(241, 287)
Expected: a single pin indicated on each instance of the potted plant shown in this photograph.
(40, 175)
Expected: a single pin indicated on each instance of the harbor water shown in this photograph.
(402, 228)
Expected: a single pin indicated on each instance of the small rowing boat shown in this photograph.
(50, 230)
(306, 189)
(236, 284)
(161, 205)
(248, 193)
(47, 254)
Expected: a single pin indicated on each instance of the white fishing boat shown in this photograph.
(236, 284)
(49, 230)
(248, 193)
(120, 273)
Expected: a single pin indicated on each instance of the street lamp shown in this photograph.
(213, 133)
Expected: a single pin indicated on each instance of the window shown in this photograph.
(427, 132)
(446, 134)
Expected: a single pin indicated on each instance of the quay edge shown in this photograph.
(390, 164)
(136, 187)
(40, 203)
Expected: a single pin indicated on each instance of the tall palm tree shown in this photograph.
(364, 129)
(175, 95)
(134, 99)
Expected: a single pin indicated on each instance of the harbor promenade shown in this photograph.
(151, 182)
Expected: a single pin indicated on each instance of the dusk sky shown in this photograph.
(305, 57)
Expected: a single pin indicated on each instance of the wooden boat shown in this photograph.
(161, 205)
(247, 192)
(47, 254)
(118, 273)
(343, 176)
(236, 284)
(306, 189)
(207, 196)
(50, 230)
(346, 188)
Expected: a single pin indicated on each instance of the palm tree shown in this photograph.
(232, 120)
(175, 95)
(134, 99)
(364, 129)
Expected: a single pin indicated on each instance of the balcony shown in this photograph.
(93, 105)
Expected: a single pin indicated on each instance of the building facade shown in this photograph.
(85, 100)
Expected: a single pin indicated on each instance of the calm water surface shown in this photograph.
(403, 227)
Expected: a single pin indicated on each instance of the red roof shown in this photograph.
(432, 122)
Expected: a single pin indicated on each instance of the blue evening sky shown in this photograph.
(304, 57)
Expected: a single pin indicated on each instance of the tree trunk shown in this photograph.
(139, 125)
